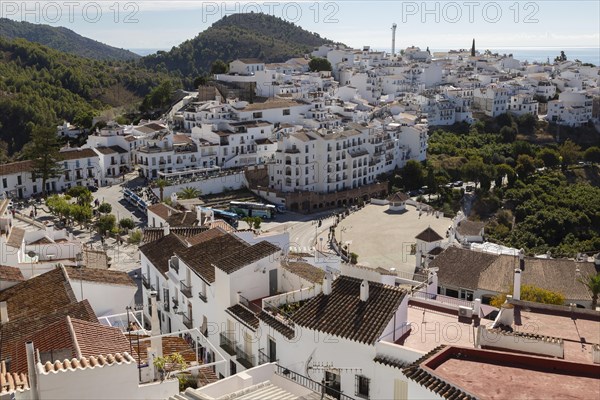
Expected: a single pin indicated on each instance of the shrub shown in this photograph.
(105, 208)
(127, 223)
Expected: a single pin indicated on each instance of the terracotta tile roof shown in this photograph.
(16, 167)
(83, 338)
(16, 237)
(398, 197)
(17, 332)
(187, 218)
(38, 296)
(390, 362)
(304, 270)
(160, 251)
(11, 274)
(436, 385)
(100, 276)
(87, 362)
(473, 270)
(77, 154)
(429, 235)
(162, 210)
(206, 236)
(170, 345)
(236, 260)
(153, 234)
(244, 315)
(343, 314)
(11, 382)
(202, 257)
(469, 228)
(274, 323)
(219, 223)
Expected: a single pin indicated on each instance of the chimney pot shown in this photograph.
(166, 229)
(3, 313)
(327, 284)
(364, 290)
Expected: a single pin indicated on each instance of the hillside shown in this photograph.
(62, 39)
(251, 35)
(43, 86)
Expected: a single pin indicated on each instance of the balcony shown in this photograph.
(310, 384)
(203, 297)
(264, 358)
(186, 290)
(187, 321)
(247, 360)
(146, 281)
(174, 264)
(227, 344)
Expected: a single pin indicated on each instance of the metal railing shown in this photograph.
(310, 384)
(145, 281)
(264, 358)
(227, 344)
(187, 321)
(247, 360)
(186, 290)
(203, 297)
(442, 299)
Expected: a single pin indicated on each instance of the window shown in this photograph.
(257, 115)
(19, 181)
(362, 386)
(286, 111)
(232, 368)
(4, 183)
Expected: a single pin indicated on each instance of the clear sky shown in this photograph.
(437, 24)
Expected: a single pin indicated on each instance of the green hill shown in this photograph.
(62, 39)
(251, 35)
(43, 86)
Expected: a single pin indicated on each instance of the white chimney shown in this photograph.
(156, 341)
(517, 284)
(174, 199)
(477, 307)
(327, 284)
(31, 371)
(3, 313)
(166, 229)
(364, 290)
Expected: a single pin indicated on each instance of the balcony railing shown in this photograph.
(247, 360)
(146, 281)
(187, 321)
(310, 384)
(203, 297)
(186, 290)
(227, 344)
(264, 358)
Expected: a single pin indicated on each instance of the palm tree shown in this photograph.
(189, 192)
(592, 282)
(161, 184)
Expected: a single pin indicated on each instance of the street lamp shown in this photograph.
(31, 254)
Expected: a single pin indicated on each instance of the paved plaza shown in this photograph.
(383, 239)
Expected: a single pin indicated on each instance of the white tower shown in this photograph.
(394, 40)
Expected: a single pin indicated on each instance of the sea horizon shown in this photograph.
(525, 53)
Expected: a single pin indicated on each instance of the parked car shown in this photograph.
(92, 188)
(458, 183)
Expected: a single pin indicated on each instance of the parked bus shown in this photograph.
(249, 209)
(229, 217)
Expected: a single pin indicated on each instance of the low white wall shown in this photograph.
(212, 185)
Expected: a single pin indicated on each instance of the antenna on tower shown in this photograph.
(394, 39)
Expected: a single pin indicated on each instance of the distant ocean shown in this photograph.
(531, 54)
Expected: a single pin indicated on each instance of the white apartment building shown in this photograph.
(492, 100)
(329, 161)
(78, 167)
(246, 66)
(522, 104)
(571, 108)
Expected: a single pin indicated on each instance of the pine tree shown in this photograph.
(473, 49)
(44, 151)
